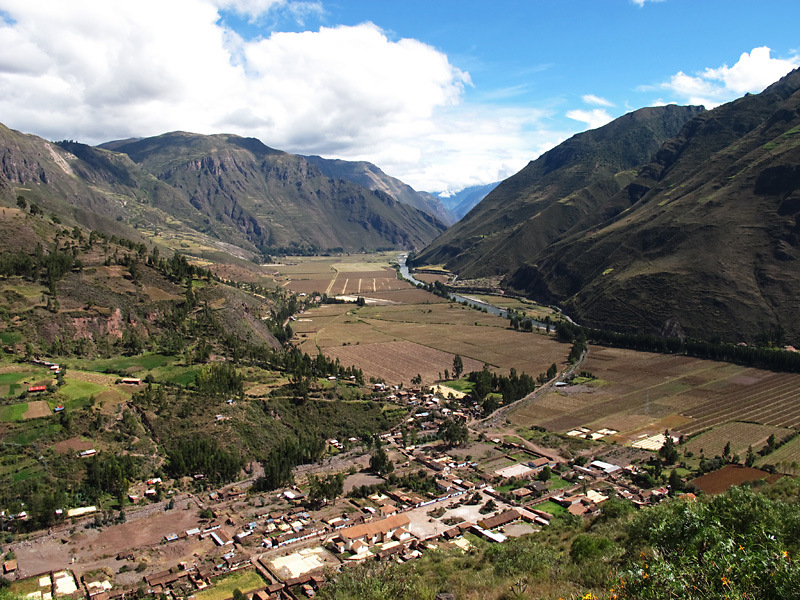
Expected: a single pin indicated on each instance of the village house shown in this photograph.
(374, 532)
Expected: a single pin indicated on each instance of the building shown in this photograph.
(374, 532)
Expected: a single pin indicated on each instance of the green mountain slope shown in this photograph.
(709, 246)
(538, 205)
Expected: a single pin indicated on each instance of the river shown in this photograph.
(473, 302)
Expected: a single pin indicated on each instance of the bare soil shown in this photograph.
(36, 410)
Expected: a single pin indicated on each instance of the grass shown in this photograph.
(556, 483)
(460, 385)
(551, 507)
(10, 337)
(146, 362)
(246, 581)
(13, 412)
(30, 435)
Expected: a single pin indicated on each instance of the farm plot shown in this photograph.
(761, 397)
(396, 362)
(640, 393)
(358, 274)
(448, 328)
(739, 435)
(786, 458)
(36, 410)
(719, 481)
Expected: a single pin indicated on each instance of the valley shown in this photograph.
(419, 359)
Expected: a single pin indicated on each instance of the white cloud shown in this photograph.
(94, 70)
(752, 73)
(597, 100)
(593, 118)
(641, 3)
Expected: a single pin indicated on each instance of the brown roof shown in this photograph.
(375, 527)
(498, 520)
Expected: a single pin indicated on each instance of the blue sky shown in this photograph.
(442, 94)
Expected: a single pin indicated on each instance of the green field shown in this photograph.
(222, 588)
(79, 393)
(551, 507)
(130, 364)
(13, 412)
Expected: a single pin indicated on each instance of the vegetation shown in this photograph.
(760, 357)
(737, 545)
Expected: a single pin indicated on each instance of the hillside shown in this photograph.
(371, 177)
(535, 207)
(708, 245)
(277, 201)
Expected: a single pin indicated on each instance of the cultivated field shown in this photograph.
(36, 410)
(641, 393)
(394, 361)
(720, 480)
(739, 435)
(378, 339)
(786, 458)
(339, 275)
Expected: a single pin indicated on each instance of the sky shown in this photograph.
(442, 94)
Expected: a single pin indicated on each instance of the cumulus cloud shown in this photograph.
(94, 70)
(593, 118)
(597, 100)
(753, 72)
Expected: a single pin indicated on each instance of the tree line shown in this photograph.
(760, 357)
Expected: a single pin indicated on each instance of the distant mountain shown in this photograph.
(231, 193)
(703, 240)
(371, 177)
(462, 202)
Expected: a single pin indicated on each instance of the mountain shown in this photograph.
(371, 177)
(277, 201)
(532, 209)
(462, 202)
(702, 241)
(215, 195)
(708, 245)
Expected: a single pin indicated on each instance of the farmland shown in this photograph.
(740, 436)
(357, 274)
(408, 331)
(640, 393)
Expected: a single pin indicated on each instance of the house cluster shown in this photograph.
(54, 368)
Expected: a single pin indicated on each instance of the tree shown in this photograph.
(379, 462)
(455, 432)
(675, 482)
(22, 203)
(417, 379)
(750, 458)
(35, 210)
(327, 488)
(668, 451)
(458, 366)
(545, 474)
